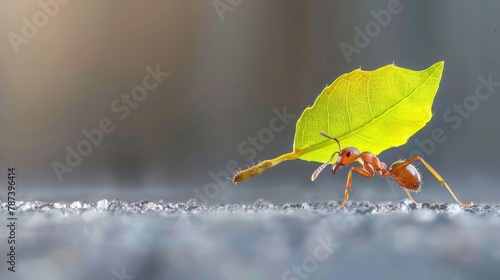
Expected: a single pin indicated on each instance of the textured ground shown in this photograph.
(160, 240)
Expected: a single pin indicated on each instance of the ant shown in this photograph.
(402, 171)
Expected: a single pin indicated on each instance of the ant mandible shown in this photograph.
(402, 171)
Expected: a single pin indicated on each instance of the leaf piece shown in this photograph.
(370, 110)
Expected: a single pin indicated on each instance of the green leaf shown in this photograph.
(370, 110)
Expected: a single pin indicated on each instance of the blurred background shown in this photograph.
(231, 65)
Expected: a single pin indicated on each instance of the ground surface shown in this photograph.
(159, 240)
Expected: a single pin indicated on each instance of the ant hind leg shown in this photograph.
(440, 179)
(411, 198)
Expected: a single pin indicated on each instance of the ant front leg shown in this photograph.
(439, 178)
(361, 171)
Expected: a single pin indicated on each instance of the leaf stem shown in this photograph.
(266, 164)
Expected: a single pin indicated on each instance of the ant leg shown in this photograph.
(362, 172)
(440, 179)
(411, 198)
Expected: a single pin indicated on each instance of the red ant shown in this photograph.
(402, 171)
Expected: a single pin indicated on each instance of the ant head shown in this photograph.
(346, 156)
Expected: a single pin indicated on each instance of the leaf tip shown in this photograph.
(439, 65)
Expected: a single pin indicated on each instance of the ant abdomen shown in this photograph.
(406, 175)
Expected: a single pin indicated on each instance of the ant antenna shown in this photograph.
(329, 137)
(319, 169)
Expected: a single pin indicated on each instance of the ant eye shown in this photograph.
(348, 154)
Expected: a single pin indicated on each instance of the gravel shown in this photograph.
(191, 207)
(111, 239)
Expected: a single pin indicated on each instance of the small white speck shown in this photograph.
(102, 204)
(58, 205)
(76, 205)
(455, 209)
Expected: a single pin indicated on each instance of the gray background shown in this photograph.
(226, 75)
